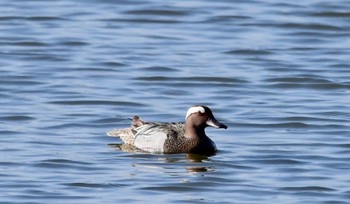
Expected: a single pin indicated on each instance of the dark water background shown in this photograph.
(276, 72)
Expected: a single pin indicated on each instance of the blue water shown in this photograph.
(276, 73)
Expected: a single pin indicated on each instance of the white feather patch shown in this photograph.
(195, 109)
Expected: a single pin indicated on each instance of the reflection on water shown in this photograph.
(198, 165)
(125, 147)
(196, 157)
(192, 163)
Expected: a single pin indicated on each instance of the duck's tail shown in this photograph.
(127, 134)
(124, 134)
(114, 133)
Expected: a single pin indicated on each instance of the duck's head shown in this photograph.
(202, 116)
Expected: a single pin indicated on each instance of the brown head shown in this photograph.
(199, 117)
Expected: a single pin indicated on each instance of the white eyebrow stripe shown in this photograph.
(195, 109)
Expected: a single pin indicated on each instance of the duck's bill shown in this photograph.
(216, 124)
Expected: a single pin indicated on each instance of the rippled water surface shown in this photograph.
(277, 73)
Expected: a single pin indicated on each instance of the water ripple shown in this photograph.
(94, 185)
(193, 79)
(307, 188)
(17, 118)
(248, 52)
(158, 12)
(143, 20)
(158, 69)
(95, 102)
(312, 82)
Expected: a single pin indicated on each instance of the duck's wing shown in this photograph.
(151, 137)
(148, 136)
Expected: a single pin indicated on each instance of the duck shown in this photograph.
(172, 138)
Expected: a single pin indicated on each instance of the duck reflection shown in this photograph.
(195, 159)
(124, 147)
(190, 161)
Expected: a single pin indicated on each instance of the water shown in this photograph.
(276, 73)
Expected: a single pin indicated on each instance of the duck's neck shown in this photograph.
(194, 132)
